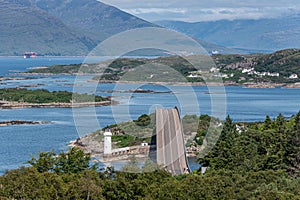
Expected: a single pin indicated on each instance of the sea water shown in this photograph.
(18, 143)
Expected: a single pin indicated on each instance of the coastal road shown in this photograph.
(170, 142)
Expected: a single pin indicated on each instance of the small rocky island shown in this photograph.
(11, 98)
(20, 122)
(142, 91)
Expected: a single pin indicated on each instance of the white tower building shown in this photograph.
(107, 142)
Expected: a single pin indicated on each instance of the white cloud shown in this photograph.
(139, 11)
(206, 10)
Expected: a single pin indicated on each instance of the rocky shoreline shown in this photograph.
(20, 122)
(16, 105)
(94, 145)
(89, 145)
(225, 83)
(15, 78)
(138, 91)
(167, 83)
(271, 85)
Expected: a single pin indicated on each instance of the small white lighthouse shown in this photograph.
(107, 142)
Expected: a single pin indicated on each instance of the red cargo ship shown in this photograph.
(29, 55)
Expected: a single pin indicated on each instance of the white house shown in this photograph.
(247, 70)
(144, 144)
(293, 76)
(193, 75)
(214, 69)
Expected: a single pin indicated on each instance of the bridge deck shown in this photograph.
(170, 142)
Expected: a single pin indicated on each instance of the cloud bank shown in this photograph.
(206, 10)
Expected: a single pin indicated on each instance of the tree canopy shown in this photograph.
(262, 161)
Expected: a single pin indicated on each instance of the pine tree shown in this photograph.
(221, 154)
(282, 142)
(229, 132)
(292, 153)
(280, 123)
(268, 123)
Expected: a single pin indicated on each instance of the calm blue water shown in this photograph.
(19, 142)
(9, 64)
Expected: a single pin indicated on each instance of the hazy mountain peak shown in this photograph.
(65, 27)
(260, 34)
(56, 27)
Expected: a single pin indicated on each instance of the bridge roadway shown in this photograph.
(169, 141)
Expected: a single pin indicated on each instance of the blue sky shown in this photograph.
(206, 10)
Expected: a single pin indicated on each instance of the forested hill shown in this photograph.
(279, 61)
(279, 67)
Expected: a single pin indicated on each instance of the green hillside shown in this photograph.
(93, 18)
(277, 67)
(280, 65)
(44, 96)
(284, 62)
(59, 27)
(30, 29)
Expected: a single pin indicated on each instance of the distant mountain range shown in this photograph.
(250, 35)
(65, 27)
(75, 27)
